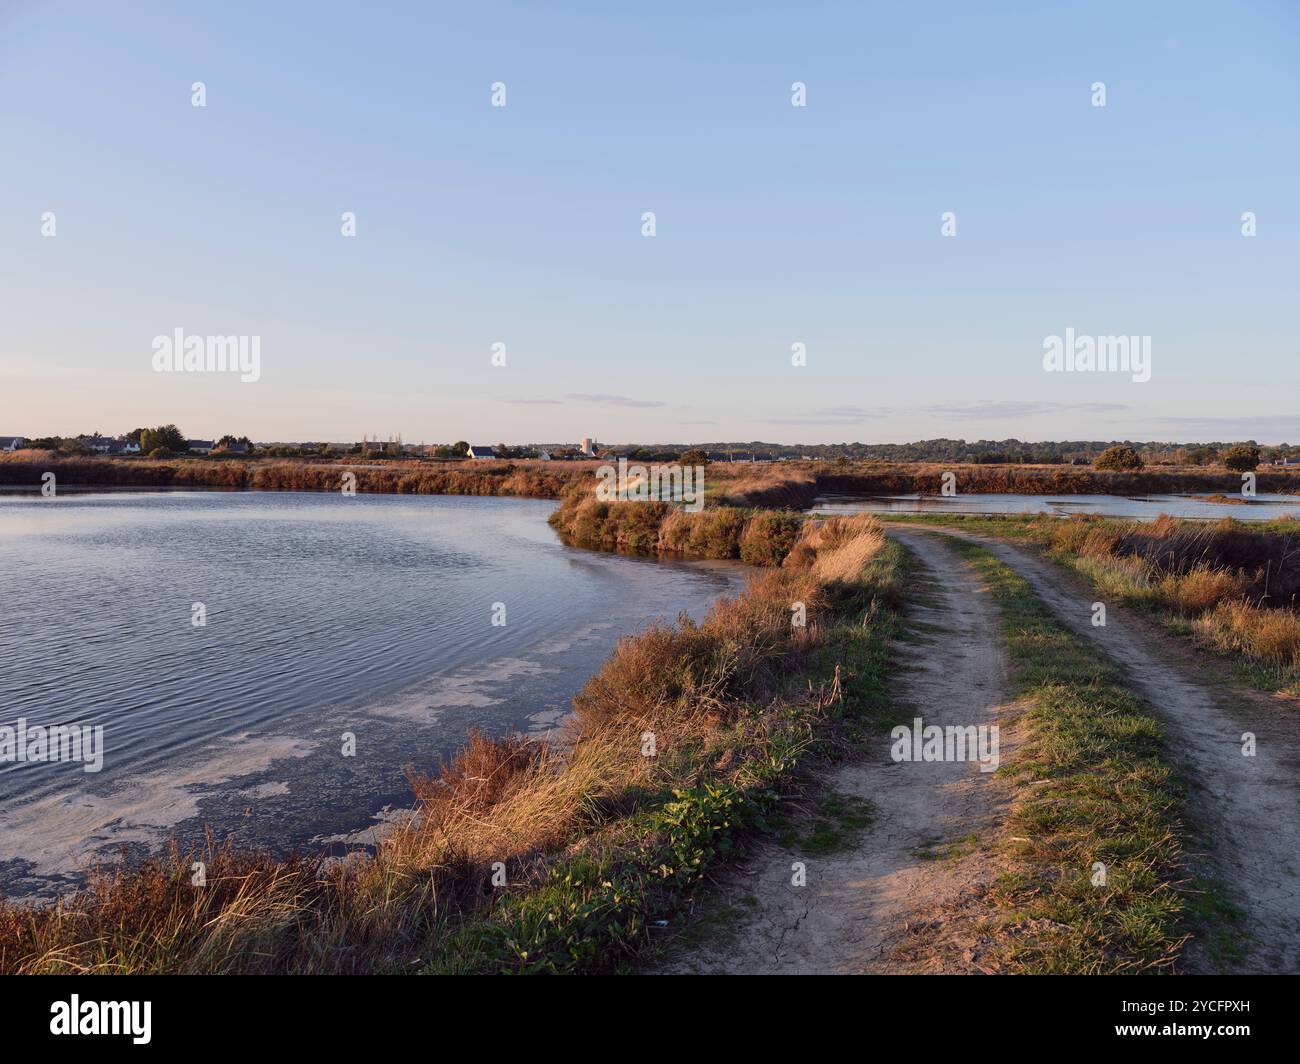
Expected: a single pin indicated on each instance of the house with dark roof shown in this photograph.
(199, 446)
(480, 452)
(105, 445)
(12, 443)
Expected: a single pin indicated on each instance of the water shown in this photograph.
(1139, 508)
(368, 615)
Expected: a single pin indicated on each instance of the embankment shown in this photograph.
(927, 479)
(740, 485)
(535, 480)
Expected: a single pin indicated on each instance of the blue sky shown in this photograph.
(775, 224)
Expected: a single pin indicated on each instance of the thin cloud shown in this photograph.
(831, 415)
(614, 400)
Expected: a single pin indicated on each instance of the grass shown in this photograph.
(528, 857)
(836, 823)
(939, 849)
(1092, 787)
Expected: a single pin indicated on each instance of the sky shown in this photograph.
(774, 225)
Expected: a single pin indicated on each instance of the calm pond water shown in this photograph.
(1139, 508)
(370, 615)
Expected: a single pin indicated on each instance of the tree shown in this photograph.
(1241, 457)
(1120, 457)
(1202, 456)
(460, 447)
(695, 456)
(172, 438)
(164, 437)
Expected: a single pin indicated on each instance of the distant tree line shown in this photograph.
(979, 452)
(166, 440)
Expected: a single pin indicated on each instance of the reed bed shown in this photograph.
(534, 480)
(926, 478)
(759, 538)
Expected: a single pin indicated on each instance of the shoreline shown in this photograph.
(431, 701)
(475, 806)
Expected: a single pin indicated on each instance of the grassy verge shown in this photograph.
(597, 910)
(1230, 587)
(1092, 790)
(527, 857)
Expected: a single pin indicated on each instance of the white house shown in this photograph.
(544, 456)
(12, 443)
(480, 452)
(588, 446)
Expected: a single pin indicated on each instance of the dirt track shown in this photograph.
(866, 909)
(888, 905)
(1244, 811)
